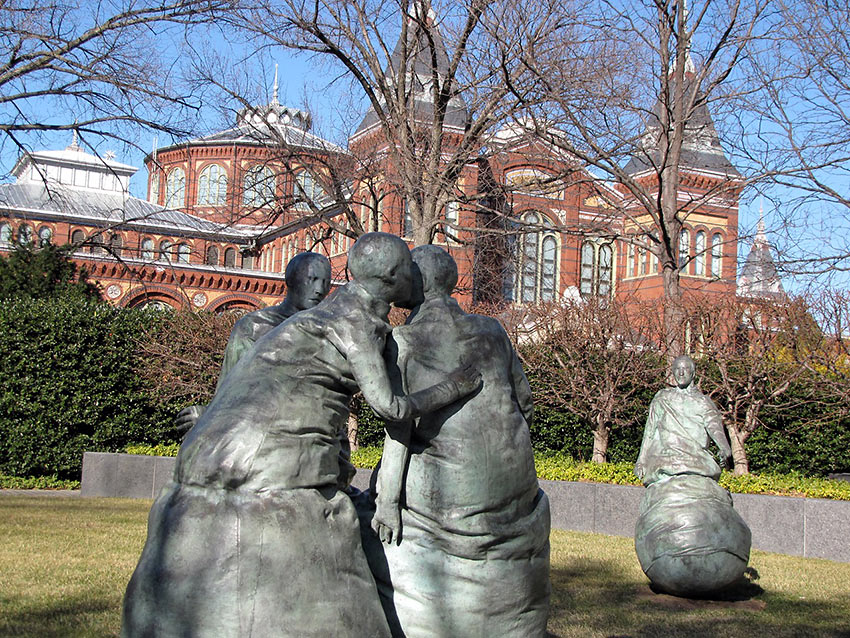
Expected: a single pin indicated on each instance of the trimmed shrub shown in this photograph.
(69, 385)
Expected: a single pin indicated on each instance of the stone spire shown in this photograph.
(759, 277)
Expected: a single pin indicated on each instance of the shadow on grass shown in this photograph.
(600, 598)
(67, 618)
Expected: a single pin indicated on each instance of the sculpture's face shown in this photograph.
(683, 372)
(416, 293)
(400, 280)
(312, 285)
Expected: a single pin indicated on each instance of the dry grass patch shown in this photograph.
(64, 563)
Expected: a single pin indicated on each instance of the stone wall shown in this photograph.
(810, 527)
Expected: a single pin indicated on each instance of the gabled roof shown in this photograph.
(457, 114)
(701, 149)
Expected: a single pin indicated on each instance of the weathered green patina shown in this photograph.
(688, 538)
(254, 537)
(465, 524)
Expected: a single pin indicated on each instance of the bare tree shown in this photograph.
(633, 104)
(432, 77)
(594, 361)
(93, 67)
(775, 359)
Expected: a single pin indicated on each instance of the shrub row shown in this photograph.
(69, 385)
(562, 467)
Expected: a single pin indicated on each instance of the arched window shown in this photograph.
(230, 258)
(77, 238)
(98, 247)
(597, 267)
(166, 249)
(25, 234)
(212, 256)
(212, 186)
(699, 253)
(407, 228)
(630, 255)
(716, 255)
(116, 244)
(45, 236)
(247, 261)
(534, 273)
(641, 255)
(153, 189)
(684, 247)
(5, 234)
(147, 249)
(175, 189)
(309, 189)
(183, 252)
(452, 217)
(258, 188)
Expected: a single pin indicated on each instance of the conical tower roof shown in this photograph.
(701, 148)
(759, 277)
(417, 63)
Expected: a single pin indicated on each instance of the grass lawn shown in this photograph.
(64, 563)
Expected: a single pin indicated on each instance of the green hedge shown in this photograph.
(69, 385)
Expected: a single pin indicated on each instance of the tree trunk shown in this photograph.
(674, 314)
(601, 435)
(739, 452)
(352, 431)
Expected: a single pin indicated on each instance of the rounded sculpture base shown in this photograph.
(688, 538)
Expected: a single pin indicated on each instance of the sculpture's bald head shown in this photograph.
(438, 268)
(381, 263)
(308, 280)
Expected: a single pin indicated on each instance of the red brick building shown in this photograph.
(226, 212)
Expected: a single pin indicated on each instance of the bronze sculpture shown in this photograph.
(254, 537)
(688, 538)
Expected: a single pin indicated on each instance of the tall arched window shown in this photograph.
(684, 248)
(153, 189)
(5, 234)
(630, 255)
(25, 234)
(407, 227)
(77, 238)
(716, 255)
(534, 273)
(212, 256)
(597, 267)
(258, 188)
(699, 253)
(116, 244)
(212, 186)
(183, 252)
(641, 255)
(230, 258)
(166, 249)
(175, 189)
(309, 189)
(147, 249)
(45, 236)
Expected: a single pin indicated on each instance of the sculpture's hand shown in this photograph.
(467, 379)
(187, 417)
(727, 462)
(387, 523)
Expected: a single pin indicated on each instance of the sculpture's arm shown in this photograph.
(648, 435)
(390, 478)
(387, 519)
(522, 389)
(370, 372)
(714, 428)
